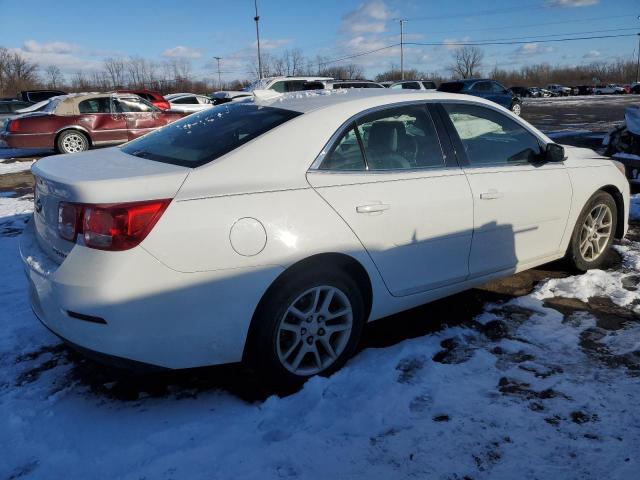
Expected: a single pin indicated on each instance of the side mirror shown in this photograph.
(554, 153)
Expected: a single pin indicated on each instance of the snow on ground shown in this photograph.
(581, 100)
(521, 391)
(13, 167)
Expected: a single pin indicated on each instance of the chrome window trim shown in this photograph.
(315, 166)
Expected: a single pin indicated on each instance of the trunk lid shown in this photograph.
(100, 177)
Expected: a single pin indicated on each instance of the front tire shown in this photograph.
(310, 324)
(72, 141)
(593, 233)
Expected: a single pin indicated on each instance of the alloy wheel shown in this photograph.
(516, 109)
(314, 331)
(596, 232)
(74, 143)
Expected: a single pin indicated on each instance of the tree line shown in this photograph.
(176, 74)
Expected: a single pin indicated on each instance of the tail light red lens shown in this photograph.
(14, 126)
(110, 227)
(164, 105)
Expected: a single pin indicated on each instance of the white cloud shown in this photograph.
(533, 49)
(181, 52)
(591, 55)
(572, 3)
(368, 18)
(450, 43)
(51, 47)
(271, 44)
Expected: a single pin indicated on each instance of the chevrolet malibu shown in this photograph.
(272, 231)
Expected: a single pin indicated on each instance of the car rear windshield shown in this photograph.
(205, 136)
(451, 87)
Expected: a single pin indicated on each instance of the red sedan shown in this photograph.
(152, 97)
(75, 123)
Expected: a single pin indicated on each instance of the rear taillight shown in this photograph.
(69, 220)
(164, 105)
(109, 227)
(13, 126)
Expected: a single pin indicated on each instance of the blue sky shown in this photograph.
(79, 35)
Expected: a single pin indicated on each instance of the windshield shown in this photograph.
(205, 136)
(262, 84)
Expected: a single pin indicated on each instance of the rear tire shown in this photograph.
(72, 141)
(593, 234)
(309, 324)
(516, 108)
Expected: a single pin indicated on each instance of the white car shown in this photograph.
(610, 89)
(272, 231)
(188, 102)
(427, 85)
(559, 90)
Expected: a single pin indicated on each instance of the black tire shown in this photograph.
(72, 141)
(263, 340)
(574, 255)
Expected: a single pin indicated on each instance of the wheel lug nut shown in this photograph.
(321, 332)
(309, 339)
(309, 319)
(321, 318)
(303, 331)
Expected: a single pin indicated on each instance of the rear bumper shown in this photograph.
(28, 140)
(152, 315)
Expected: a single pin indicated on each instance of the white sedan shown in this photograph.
(272, 231)
(188, 102)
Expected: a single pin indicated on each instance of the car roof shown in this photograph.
(354, 98)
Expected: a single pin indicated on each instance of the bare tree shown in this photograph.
(54, 77)
(115, 71)
(17, 72)
(467, 62)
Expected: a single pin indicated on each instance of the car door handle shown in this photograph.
(491, 195)
(373, 208)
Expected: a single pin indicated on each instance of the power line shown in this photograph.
(511, 27)
(491, 42)
(358, 54)
(635, 29)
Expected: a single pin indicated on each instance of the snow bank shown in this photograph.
(13, 167)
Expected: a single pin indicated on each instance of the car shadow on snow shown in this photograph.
(457, 310)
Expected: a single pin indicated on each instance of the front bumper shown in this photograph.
(153, 315)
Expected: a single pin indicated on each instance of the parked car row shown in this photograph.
(556, 90)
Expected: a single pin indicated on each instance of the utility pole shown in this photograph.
(638, 63)
(257, 19)
(219, 81)
(402, 22)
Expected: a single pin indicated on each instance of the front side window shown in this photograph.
(190, 100)
(400, 138)
(345, 154)
(95, 105)
(411, 86)
(135, 105)
(202, 137)
(491, 138)
(482, 87)
(429, 85)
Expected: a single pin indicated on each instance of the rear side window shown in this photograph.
(95, 105)
(411, 86)
(345, 154)
(429, 85)
(202, 137)
(451, 87)
(4, 108)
